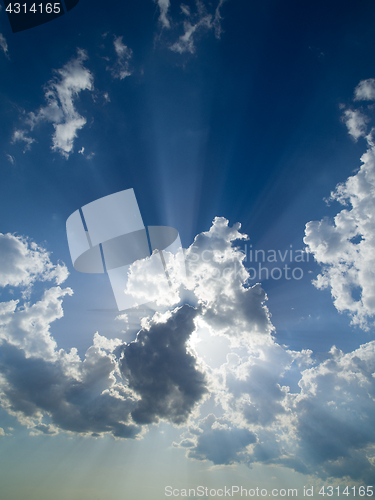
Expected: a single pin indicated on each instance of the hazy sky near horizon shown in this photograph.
(248, 127)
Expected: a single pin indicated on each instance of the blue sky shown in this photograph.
(215, 113)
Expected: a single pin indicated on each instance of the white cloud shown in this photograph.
(339, 394)
(60, 94)
(163, 17)
(194, 23)
(255, 402)
(356, 123)
(345, 246)
(20, 136)
(121, 69)
(192, 26)
(4, 45)
(23, 262)
(365, 90)
(217, 19)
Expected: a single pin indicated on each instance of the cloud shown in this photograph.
(159, 369)
(345, 246)
(163, 17)
(60, 94)
(23, 262)
(221, 443)
(121, 69)
(335, 411)
(217, 19)
(218, 278)
(4, 45)
(238, 397)
(195, 24)
(365, 90)
(11, 159)
(20, 136)
(356, 123)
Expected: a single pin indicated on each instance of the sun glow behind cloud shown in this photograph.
(237, 409)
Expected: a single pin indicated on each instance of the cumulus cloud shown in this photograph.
(22, 262)
(345, 246)
(4, 45)
(335, 411)
(60, 94)
(365, 90)
(121, 69)
(159, 369)
(243, 399)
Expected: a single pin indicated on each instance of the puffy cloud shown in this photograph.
(22, 262)
(356, 123)
(218, 278)
(60, 93)
(121, 69)
(346, 246)
(4, 45)
(243, 399)
(163, 17)
(365, 90)
(335, 412)
(162, 372)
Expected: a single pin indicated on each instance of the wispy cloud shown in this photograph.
(194, 23)
(21, 136)
(60, 94)
(121, 69)
(4, 45)
(11, 159)
(163, 17)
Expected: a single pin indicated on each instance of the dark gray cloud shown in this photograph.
(162, 372)
(36, 387)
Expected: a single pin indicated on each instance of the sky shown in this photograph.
(249, 128)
